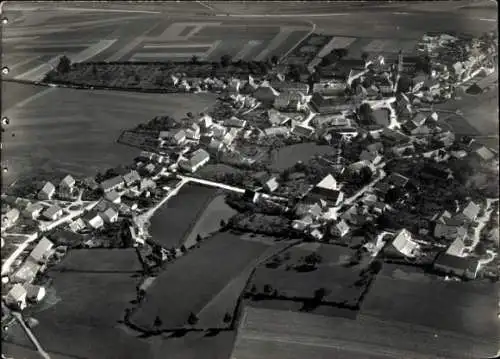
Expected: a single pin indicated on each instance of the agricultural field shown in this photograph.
(288, 276)
(191, 282)
(465, 308)
(288, 334)
(173, 223)
(87, 306)
(82, 126)
(100, 260)
(210, 220)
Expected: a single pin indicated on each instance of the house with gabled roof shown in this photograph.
(110, 215)
(111, 184)
(403, 244)
(340, 229)
(277, 118)
(26, 273)
(484, 154)
(93, 219)
(303, 131)
(464, 267)
(42, 250)
(10, 218)
(470, 211)
(16, 297)
(198, 158)
(131, 178)
(47, 191)
(67, 184)
(113, 197)
(33, 210)
(52, 213)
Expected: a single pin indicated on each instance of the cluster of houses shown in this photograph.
(21, 290)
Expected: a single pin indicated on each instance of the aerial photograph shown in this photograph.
(250, 180)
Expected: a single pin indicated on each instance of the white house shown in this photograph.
(47, 191)
(34, 293)
(93, 220)
(404, 244)
(66, 186)
(16, 297)
(10, 218)
(52, 213)
(42, 250)
(199, 158)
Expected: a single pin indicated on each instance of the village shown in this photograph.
(396, 179)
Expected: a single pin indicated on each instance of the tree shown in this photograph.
(157, 323)
(268, 288)
(183, 249)
(319, 294)
(274, 60)
(227, 318)
(194, 59)
(198, 238)
(222, 223)
(313, 259)
(225, 60)
(253, 289)
(193, 318)
(64, 65)
(365, 175)
(364, 56)
(480, 248)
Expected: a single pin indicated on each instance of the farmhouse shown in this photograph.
(198, 158)
(470, 212)
(110, 215)
(340, 229)
(403, 244)
(271, 184)
(131, 178)
(459, 266)
(52, 213)
(288, 101)
(47, 191)
(93, 219)
(10, 218)
(26, 273)
(112, 184)
(302, 130)
(42, 250)
(277, 131)
(33, 210)
(484, 154)
(329, 105)
(450, 229)
(34, 293)
(330, 88)
(235, 122)
(113, 197)
(286, 86)
(66, 186)
(16, 297)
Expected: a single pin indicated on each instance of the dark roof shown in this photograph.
(397, 179)
(460, 263)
